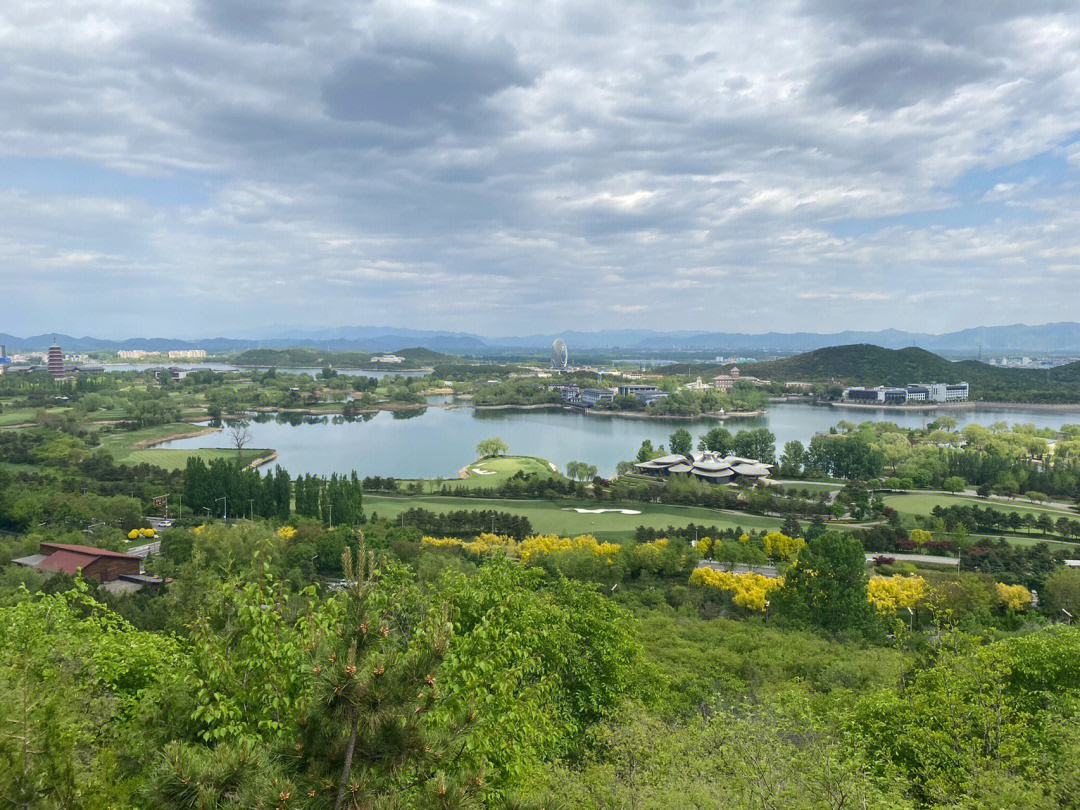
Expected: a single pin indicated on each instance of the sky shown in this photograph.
(229, 167)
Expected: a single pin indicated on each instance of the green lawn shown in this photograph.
(23, 415)
(922, 503)
(122, 446)
(552, 517)
(493, 471)
(812, 486)
(175, 459)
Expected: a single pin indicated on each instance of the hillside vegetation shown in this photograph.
(315, 358)
(865, 364)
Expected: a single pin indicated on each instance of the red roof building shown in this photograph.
(95, 563)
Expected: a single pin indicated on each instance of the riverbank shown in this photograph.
(960, 406)
(665, 416)
(262, 460)
(148, 443)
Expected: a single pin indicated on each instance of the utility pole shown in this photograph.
(251, 509)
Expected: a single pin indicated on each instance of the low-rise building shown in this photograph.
(642, 392)
(387, 358)
(187, 354)
(135, 354)
(707, 466)
(590, 397)
(910, 394)
(95, 563)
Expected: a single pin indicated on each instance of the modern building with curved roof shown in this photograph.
(708, 466)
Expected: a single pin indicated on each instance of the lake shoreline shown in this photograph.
(960, 406)
(700, 416)
(143, 445)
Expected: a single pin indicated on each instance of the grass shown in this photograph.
(552, 517)
(23, 416)
(123, 449)
(923, 503)
(175, 459)
(812, 486)
(501, 468)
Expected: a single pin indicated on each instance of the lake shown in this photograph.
(439, 441)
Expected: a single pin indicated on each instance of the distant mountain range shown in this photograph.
(1060, 338)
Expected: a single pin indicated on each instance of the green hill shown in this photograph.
(304, 357)
(865, 364)
(426, 357)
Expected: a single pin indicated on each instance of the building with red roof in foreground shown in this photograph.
(95, 563)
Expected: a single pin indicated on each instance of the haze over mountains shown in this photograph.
(1053, 337)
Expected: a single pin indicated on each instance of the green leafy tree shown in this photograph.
(681, 441)
(490, 447)
(826, 585)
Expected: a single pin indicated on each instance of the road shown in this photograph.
(770, 571)
(146, 550)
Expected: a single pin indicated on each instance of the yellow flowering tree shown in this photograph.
(890, 594)
(538, 545)
(705, 546)
(1016, 597)
(749, 591)
(781, 547)
(920, 537)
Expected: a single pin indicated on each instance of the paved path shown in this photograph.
(930, 559)
(770, 571)
(145, 550)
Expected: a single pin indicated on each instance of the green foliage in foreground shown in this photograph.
(457, 681)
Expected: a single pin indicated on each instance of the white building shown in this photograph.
(916, 392)
(945, 392)
(387, 358)
(135, 354)
(190, 354)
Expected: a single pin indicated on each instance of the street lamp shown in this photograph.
(226, 510)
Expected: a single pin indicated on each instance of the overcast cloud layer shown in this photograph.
(217, 166)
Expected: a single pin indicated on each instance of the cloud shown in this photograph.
(228, 163)
(416, 84)
(891, 75)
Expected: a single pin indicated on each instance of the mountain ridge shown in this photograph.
(1050, 337)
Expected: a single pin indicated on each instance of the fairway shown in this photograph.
(23, 416)
(923, 504)
(551, 517)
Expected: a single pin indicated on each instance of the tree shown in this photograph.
(334, 704)
(681, 442)
(826, 585)
(716, 440)
(490, 447)
(239, 436)
(647, 452)
(791, 463)
(580, 471)
(954, 483)
(1062, 591)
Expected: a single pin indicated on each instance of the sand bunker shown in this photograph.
(598, 511)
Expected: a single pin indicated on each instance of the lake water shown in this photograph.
(439, 441)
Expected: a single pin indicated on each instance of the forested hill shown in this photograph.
(864, 364)
(316, 358)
